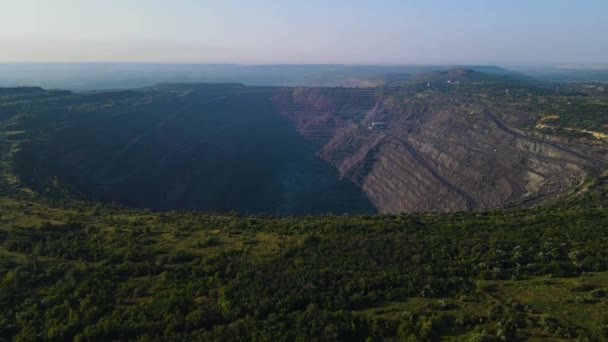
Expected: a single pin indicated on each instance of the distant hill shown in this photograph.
(95, 76)
(465, 74)
(20, 90)
(488, 69)
(456, 74)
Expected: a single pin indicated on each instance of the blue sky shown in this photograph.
(507, 32)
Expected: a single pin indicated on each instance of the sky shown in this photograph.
(506, 32)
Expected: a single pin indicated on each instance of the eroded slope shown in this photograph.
(288, 150)
(428, 152)
(211, 148)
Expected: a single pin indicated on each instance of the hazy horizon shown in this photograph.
(390, 32)
(513, 66)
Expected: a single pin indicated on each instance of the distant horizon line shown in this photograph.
(591, 66)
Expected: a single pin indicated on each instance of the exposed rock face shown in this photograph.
(432, 154)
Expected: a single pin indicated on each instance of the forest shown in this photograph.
(89, 271)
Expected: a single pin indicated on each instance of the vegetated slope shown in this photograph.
(212, 148)
(412, 148)
(82, 271)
